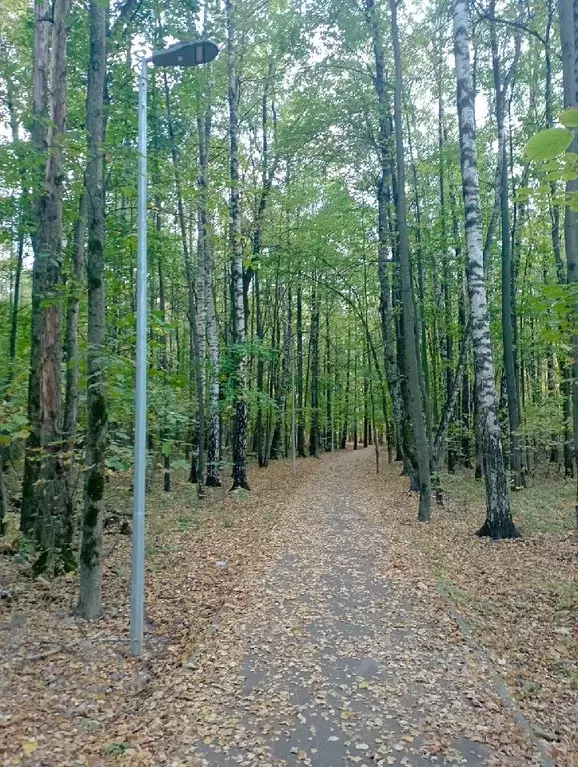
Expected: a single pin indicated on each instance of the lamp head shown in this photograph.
(185, 54)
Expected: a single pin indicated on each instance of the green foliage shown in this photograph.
(569, 117)
(548, 144)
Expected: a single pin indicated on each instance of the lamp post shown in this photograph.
(184, 54)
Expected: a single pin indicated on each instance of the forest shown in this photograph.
(362, 243)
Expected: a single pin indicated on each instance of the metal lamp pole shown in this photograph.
(184, 54)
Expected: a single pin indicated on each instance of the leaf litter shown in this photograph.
(323, 641)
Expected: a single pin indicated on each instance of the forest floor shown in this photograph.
(326, 635)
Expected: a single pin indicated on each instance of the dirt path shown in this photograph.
(344, 656)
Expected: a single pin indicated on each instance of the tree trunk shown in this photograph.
(214, 445)
(23, 229)
(343, 442)
(238, 306)
(76, 281)
(314, 353)
(201, 331)
(300, 413)
(499, 523)
(446, 270)
(416, 409)
(386, 309)
(568, 10)
(195, 375)
(328, 387)
(508, 317)
(90, 600)
(44, 499)
(71, 357)
(165, 436)
(259, 426)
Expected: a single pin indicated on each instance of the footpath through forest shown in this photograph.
(297, 626)
(346, 660)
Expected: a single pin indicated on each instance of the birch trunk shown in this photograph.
(214, 442)
(499, 523)
(209, 323)
(201, 316)
(238, 306)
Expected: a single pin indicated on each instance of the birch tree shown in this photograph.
(499, 523)
(241, 423)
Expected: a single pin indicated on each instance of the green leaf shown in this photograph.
(548, 144)
(569, 117)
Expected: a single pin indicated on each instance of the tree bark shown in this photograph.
(71, 347)
(384, 150)
(90, 600)
(314, 353)
(568, 11)
(238, 305)
(501, 84)
(416, 405)
(300, 413)
(343, 442)
(72, 363)
(446, 270)
(328, 386)
(214, 442)
(44, 500)
(499, 523)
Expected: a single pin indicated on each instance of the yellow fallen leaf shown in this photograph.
(30, 746)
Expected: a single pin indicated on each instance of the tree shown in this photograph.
(43, 499)
(568, 10)
(90, 600)
(499, 523)
(412, 355)
(237, 292)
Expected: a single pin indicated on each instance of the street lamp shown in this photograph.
(184, 54)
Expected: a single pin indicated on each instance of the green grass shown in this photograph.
(545, 506)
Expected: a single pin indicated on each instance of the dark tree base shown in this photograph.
(240, 486)
(498, 532)
(213, 482)
(414, 486)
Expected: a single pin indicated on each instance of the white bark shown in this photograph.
(498, 516)
(238, 308)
